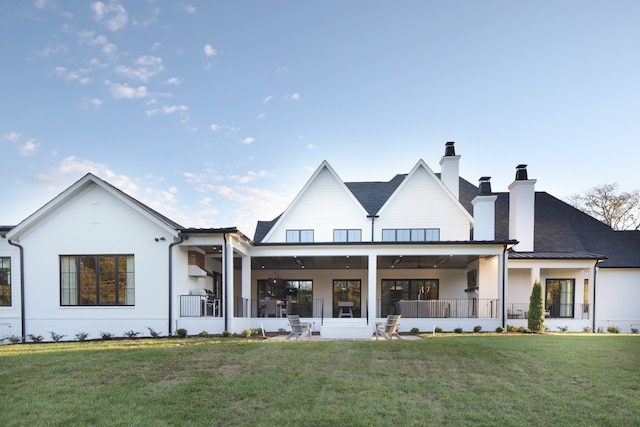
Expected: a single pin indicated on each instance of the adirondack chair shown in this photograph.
(388, 329)
(298, 329)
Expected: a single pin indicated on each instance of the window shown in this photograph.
(559, 297)
(5, 281)
(348, 291)
(296, 296)
(97, 280)
(299, 236)
(585, 306)
(394, 290)
(344, 235)
(411, 235)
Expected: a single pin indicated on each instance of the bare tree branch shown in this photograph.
(621, 211)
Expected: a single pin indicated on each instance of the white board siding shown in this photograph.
(10, 315)
(75, 229)
(618, 298)
(422, 203)
(324, 206)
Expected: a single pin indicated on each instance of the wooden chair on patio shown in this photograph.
(298, 329)
(388, 329)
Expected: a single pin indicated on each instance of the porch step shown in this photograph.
(346, 329)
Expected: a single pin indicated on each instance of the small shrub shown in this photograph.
(563, 328)
(458, 330)
(203, 334)
(587, 329)
(600, 330)
(415, 331)
(477, 328)
(535, 318)
(153, 333)
(106, 335)
(226, 334)
(613, 329)
(14, 339)
(499, 329)
(256, 331)
(81, 336)
(437, 330)
(512, 328)
(246, 333)
(282, 330)
(181, 332)
(131, 334)
(634, 330)
(35, 338)
(56, 337)
(523, 330)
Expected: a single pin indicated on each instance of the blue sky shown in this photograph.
(217, 113)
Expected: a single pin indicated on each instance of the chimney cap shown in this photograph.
(485, 186)
(521, 173)
(521, 166)
(449, 150)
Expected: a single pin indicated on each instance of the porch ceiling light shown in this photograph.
(299, 262)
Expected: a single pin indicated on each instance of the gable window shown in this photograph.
(104, 280)
(347, 235)
(299, 236)
(410, 234)
(5, 281)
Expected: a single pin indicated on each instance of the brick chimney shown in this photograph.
(484, 211)
(522, 210)
(450, 169)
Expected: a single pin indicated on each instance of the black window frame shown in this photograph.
(410, 234)
(351, 235)
(5, 282)
(298, 234)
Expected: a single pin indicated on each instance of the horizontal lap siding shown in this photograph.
(422, 203)
(323, 207)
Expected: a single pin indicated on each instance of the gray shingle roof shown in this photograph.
(561, 231)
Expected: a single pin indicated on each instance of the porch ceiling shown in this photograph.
(360, 262)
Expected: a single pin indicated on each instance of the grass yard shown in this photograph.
(517, 380)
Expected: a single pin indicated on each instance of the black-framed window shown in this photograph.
(296, 296)
(104, 280)
(394, 290)
(410, 234)
(347, 291)
(299, 236)
(5, 281)
(559, 297)
(347, 235)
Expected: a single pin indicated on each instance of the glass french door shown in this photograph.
(347, 290)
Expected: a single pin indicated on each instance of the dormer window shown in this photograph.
(299, 236)
(347, 235)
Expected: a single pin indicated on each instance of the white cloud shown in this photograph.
(51, 51)
(12, 136)
(248, 140)
(249, 177)
(261, 116)
(188, 8)
(120, 91)
(156, 46)
(80, 166)
(174, 81)
(44, 4)
(29, 148)
(167, 109)
(215, 127)
(112, 14)
(267, 99)
(147, 66)
(311, 147)
(209, 50)
(295, 96)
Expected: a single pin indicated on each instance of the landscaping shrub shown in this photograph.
(35, 338)
(131, 334)
(634, 330)
(181, 333)
(563, 328)
(153, 333)
(499, 329)
(56, 337)
(587, 329)
(458, 330)
(226, 334)
(477, 328)
(613, 329)
(415, 331)
(535, 318)
(81, 336)
(438, 330)
(203, 334)
(14, 339)
(246, 333)
(106, 335)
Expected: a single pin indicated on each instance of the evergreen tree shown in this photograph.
(535, 319)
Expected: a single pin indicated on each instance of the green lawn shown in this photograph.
(517, 380)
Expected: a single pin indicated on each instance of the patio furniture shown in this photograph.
(345, 309)
(388, 329)
(298, 329)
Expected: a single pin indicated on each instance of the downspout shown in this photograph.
(22, 310)
(504, 286)
(373, 220)
(171, 245)
(595, 273)
(225, 276)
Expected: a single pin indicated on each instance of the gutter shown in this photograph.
(171, 245)
(595, 273)
(22, 310)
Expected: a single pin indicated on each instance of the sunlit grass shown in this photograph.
(443, 380)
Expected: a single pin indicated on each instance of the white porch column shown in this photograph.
(246, 282)
(371, 289)
(228, 281)
(503, 287)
